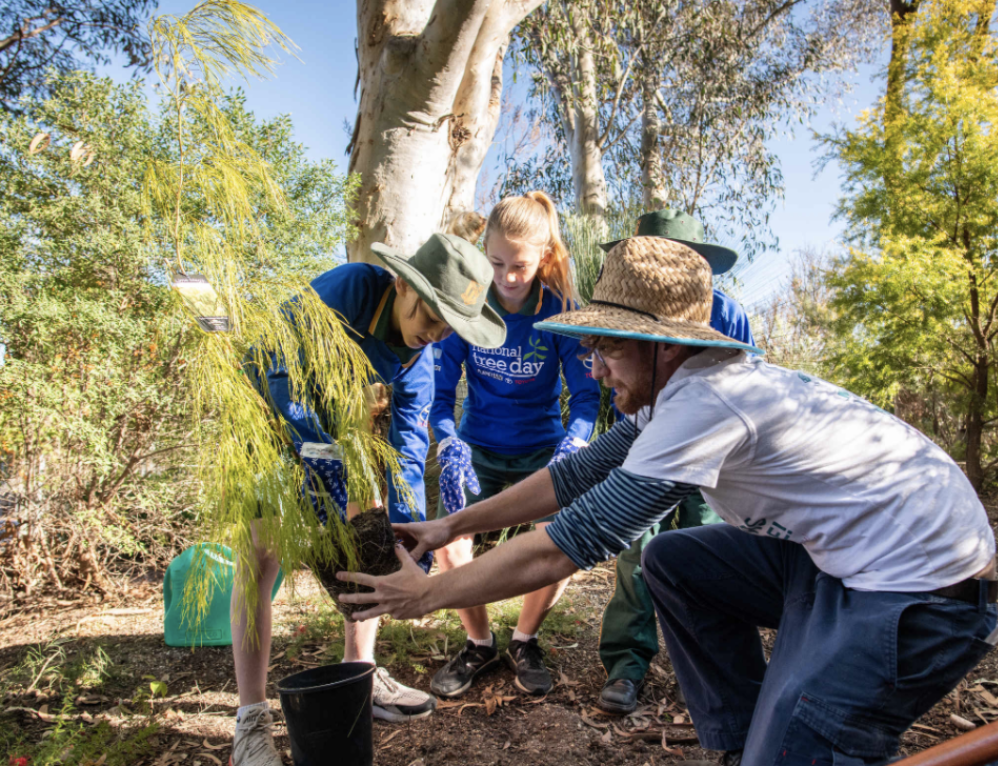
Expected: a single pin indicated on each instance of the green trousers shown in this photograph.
(629, 635)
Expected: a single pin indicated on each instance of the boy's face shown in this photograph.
(417, 322)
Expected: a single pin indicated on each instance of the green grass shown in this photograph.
(50, 668)
(61, 675)
(74, 743)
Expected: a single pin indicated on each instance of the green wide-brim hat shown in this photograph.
(452, 276)
(650, 288)
(686, 230)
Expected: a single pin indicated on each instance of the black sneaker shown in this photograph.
(456, 677)
(619, 696)
(526, 659)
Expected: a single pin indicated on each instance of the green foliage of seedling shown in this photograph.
(207, 192)
(157, 688)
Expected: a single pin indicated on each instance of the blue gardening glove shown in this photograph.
(454, 457)
(324, 476)
(569, 446)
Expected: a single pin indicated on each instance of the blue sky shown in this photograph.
(317, 92)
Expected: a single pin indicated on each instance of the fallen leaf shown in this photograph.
(674, 751)
(506, 746)
(961, 723)
(213, 759)
(589, 722)
(607, 738)
(389, 738)
(565, 680)
(988, 697)
(210, 746)
(678, 719)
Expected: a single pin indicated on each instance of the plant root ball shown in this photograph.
(375, 541)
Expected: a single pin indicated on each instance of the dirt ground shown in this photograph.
(193, 711)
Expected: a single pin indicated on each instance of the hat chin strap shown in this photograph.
(626, 308)
(651, 406)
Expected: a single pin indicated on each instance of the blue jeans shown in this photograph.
(849, 672)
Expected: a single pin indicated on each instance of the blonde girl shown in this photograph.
(511, 424)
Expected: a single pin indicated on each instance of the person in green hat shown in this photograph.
(629, 631)
(395, 314)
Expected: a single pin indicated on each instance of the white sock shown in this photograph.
(518, 636)
(483, 641)
(241, 712)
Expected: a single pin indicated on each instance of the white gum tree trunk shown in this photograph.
(654, 192)
(582, 130)
(430, 77)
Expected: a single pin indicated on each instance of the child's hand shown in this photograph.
(324, 471)
(569, 445)
(454, 457)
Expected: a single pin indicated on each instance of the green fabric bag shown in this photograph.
(216, 628)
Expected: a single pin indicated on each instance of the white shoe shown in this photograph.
(254, 741)
(397, 703)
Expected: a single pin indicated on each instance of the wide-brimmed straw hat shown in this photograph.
(685, 229)
(453, 277)
(649, 289)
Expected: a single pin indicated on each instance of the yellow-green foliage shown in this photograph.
(205, 195)
(917, 293)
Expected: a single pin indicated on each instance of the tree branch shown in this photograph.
(25, 33)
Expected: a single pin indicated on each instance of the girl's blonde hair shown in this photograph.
(533, 218)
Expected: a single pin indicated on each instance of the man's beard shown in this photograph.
(631, 400)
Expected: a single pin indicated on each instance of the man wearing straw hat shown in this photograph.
(628, 638)
(850, 532)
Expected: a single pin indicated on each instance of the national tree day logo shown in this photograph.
(536, 347)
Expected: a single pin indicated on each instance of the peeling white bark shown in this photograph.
(582, 130)
(430, 76)
(654, 190)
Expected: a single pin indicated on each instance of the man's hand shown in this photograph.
(401, 595)
(418, 537)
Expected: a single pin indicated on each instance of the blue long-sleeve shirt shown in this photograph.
(363, 295)
(513, 405)
(728, 317)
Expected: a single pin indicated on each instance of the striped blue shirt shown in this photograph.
(605, 508)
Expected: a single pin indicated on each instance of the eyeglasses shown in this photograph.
(589, 357)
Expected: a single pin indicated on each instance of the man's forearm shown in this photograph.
(529, 500)
(521, 565)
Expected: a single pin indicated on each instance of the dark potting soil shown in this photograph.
(375, 542)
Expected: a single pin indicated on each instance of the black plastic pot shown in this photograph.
(328, 712)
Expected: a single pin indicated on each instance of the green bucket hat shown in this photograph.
(453, 277)
(685, 229)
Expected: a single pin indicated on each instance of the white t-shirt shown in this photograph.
(786, 455)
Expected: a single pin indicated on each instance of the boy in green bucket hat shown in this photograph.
(629, 631)
(394, 316)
